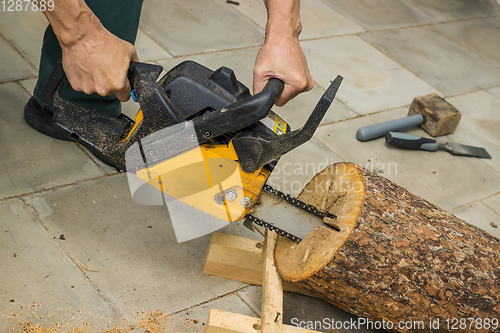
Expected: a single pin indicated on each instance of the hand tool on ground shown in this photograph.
(201, 137)
(433, 114)
(408, 141)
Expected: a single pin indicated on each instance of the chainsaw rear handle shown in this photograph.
(52, 85)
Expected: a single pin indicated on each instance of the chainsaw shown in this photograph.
(202, 139)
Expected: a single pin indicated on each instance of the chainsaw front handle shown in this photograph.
(240, 114)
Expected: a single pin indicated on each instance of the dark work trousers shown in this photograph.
(120, 17)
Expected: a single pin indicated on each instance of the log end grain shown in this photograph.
(340, 191)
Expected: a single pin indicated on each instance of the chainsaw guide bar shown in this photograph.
(285, 199)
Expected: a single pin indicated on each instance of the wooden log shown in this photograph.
(397, 257)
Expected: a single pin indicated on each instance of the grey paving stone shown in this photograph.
(437, 59)
(30, 160)
(130, 250)
(493, 203)
(190, 27)
(29, 85)
(495, 91)
(24, 30)
(147, 49)
(479, 215)
(39, 283)
(13, 66)
(194, 319)
(108, 169)
(241, 62)
(296, 168)
(447, 180)
(480, 36)
(318, 19)
(308, 312)
(381, 14)
(449, 10)
(479, 124)
(372, 81)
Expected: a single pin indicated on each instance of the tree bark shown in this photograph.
(397, 257)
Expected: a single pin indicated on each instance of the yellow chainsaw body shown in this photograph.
(208, 178)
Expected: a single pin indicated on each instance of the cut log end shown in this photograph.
(339, 190)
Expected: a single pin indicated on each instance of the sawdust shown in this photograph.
(30, 327)
(155, 322)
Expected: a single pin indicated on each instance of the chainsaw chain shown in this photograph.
(291, 200)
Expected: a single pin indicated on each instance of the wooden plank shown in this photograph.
(240, 259)
(226, 322)
(272, 290)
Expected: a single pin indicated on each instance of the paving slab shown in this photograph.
(194, 319)
(495, 91)
(372, 81)
(481, 216)
(13, 66)
(242, 62)
(479, 124)
(307, 312)
(30, 160)
(437, 59)
(39, 283)
(317, 18)
(493, 203)
(448, 181)
(147, 49)
(24, 30)
(381, 14)
(296, 168)
(29, 85)
(480, 36)
(451, 10)
(190, 26)
(129, 250)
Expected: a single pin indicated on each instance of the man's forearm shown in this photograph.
(94, 59)
(71, 20)
(283, 18)
(281, 55)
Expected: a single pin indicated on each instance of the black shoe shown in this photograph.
(41, 120)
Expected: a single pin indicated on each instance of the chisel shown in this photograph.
(408, 141)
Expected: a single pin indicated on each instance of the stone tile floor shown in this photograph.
(76, 251)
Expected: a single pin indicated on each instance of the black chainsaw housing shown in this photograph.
(220, 108)
(217, 103)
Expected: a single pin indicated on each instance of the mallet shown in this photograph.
(434, 115)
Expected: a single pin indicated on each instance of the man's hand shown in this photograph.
(95, 60)
(281, 55)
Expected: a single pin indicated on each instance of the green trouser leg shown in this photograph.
(121, 17)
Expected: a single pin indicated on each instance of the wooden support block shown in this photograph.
(440, 117)
(226, 322)
(240, 259)
(272, 290)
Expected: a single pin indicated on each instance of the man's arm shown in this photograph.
(95, 60)
(281, 55)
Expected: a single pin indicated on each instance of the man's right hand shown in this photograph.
(98, 63)
(95, 60)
